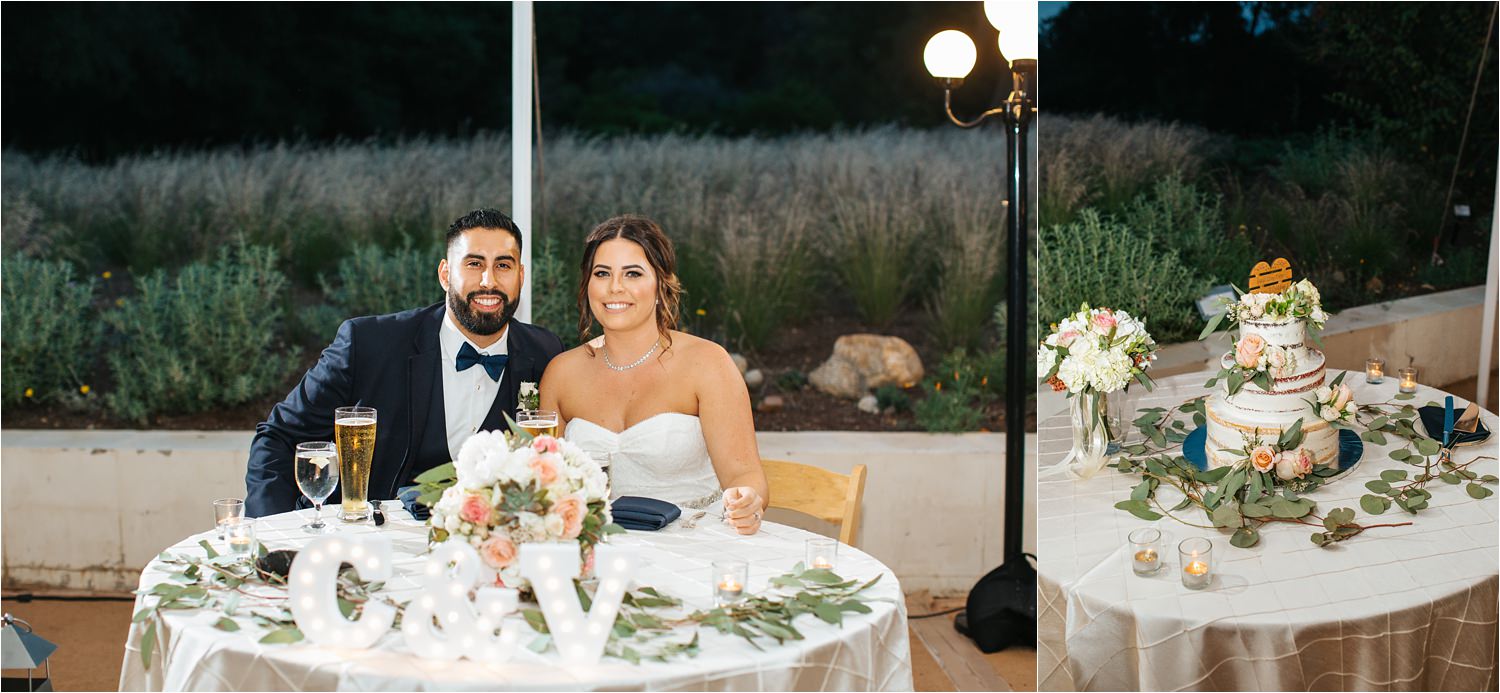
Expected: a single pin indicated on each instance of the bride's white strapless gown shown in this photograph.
(662, 457)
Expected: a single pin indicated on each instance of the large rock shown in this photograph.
(861, 362)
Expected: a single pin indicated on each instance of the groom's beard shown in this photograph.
(484, 324)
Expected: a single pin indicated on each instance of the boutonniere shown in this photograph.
(531, 397)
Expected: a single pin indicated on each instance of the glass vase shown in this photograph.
(1119, 413)
(1088, 413)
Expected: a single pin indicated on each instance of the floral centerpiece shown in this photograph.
(512, 489)
(1090, 354)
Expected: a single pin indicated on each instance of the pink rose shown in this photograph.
(1247, 352)
(1305, 461)
(571, 509)
(476, 510)
(1342, 397)
(498, 551)
(1105, 322)
(545, 444)
(588, 562)
(1290, 465)
(1065, 339)
(545, 468)
(1262, 459)
(1276, 359)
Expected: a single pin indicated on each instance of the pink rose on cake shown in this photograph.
(1249, 350)
(1294, 464)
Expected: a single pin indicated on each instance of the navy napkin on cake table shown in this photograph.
(647, 514)
(1432, 420)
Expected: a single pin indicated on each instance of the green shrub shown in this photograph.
(1191, 222)
(554, 289)
(959, 390)
(791, 380)
(873, 244)
(208, 337)
(373, 280)
(49, 330)
(892, 397)
(1100, 261)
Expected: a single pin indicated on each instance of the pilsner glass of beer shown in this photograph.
(537, 422)
(354, 432)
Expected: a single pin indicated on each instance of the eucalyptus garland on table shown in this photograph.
(641, 630)
(1242, 499)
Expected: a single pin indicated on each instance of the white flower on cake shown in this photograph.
(1335, 404)
(1096, 350)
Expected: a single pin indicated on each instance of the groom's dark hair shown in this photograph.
(482, 219)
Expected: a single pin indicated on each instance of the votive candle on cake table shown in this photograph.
(1145, 551)
(1374, 371)
(1409, 380)
(822, 553)
(239, 533)
(1196, 556)
(729, 576)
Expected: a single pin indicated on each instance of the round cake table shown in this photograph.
(869, 652)
(1404, 608)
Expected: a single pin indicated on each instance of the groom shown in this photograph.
(434, 375)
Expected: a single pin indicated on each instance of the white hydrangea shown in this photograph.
(1045, 359)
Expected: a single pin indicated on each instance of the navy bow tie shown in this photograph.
(494, 364)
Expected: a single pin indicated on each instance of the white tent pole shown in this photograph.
(520, 138)
(1487, 329)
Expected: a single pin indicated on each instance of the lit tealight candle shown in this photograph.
(1408, 380)
(822, 553)
(821, 562)
(729, 577)
(1197, 562)
(1146, 562)
(1375, 371)
(1143, 543)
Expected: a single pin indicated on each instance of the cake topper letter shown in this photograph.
(1271, 278)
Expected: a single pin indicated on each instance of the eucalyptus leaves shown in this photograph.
(1243, 499)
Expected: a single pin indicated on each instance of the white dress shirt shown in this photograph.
(467, 395)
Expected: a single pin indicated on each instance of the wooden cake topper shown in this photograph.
(1271, 278)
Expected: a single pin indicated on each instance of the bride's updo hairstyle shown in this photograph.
(659, 254)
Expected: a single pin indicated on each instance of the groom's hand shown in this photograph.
(742, 509)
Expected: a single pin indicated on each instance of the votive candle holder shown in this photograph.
(239, 534)
(729, 576)
(1145, 551)
(1374, 371)
(822, 553)
(1409, 380)
(1196, 558)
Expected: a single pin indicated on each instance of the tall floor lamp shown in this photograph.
(1001, 609)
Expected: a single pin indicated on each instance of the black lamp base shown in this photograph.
(1001, 611)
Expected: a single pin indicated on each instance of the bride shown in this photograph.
(666, 411)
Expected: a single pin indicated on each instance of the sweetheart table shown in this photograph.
(1404, 608)
(869, 652)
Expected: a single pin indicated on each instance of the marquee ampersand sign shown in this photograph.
(314, 592)
(467, 628)
(551, 568)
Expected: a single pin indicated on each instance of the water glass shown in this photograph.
(226, 509)
(317, 471)
(240, 534)
(822, 553)
(728, 577)
(1145, 551)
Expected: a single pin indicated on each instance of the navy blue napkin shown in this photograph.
(1432, 420)
(408, 496)
(646, 514)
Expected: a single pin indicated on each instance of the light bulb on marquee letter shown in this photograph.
(551, 568)
(464, 632)
(314, 593)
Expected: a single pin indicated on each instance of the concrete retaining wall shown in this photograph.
(87, 509)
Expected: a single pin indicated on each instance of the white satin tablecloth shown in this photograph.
(1405, 608)
(869, 652)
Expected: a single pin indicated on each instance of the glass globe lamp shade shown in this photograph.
(1017, 24)
(950, 54)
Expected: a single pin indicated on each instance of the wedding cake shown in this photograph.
(1273, 379)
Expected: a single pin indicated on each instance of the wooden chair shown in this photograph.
(828, 496)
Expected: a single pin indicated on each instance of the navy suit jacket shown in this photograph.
(389, 362)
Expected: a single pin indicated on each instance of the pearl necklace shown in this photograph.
(638, 361)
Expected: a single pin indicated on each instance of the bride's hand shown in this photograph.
(742, 509)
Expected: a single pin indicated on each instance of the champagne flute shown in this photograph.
(317, 470)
